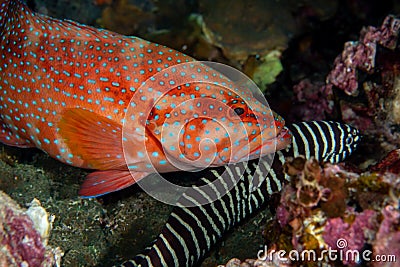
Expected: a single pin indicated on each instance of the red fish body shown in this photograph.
(67, 88)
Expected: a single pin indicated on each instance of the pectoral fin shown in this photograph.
(94, 138)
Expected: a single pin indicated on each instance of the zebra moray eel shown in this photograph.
(191, 231)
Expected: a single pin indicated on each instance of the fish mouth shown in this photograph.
(281, 140)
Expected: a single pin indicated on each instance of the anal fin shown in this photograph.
(103, 182)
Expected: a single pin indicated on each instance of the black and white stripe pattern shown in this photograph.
(191, 231)
(326, 141)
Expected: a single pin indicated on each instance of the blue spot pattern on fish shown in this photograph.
(67, 88)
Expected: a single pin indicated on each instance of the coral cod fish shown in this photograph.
(66, 88)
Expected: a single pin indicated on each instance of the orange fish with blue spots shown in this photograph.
(121, 105)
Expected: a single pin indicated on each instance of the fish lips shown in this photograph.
(269, 145)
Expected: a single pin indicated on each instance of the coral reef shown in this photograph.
(24, 235)
(90, 232)
(376, 54)
(367, 71)
(317, 213)
(350, 233)
(357, 65)
(314, 100)
(388, 236)
(391, 163)
(104, 231)
(361, 55)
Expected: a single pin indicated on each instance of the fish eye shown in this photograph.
(349, 140)
(239, 111)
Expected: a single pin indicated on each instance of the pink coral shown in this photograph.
(387, 242)
(361, 54)
(313, 186)
(328, 223)
(314, 100)
(22, 239)
(21, 244)
(358, 116)
(343, 235)
(391, 163)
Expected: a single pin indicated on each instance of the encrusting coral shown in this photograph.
(24, 234)
(319, 211)
(362, 54)
(367, 71)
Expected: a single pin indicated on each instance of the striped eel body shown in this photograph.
(191, 231)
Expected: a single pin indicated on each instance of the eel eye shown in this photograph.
(349, 140)
(239, 111)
